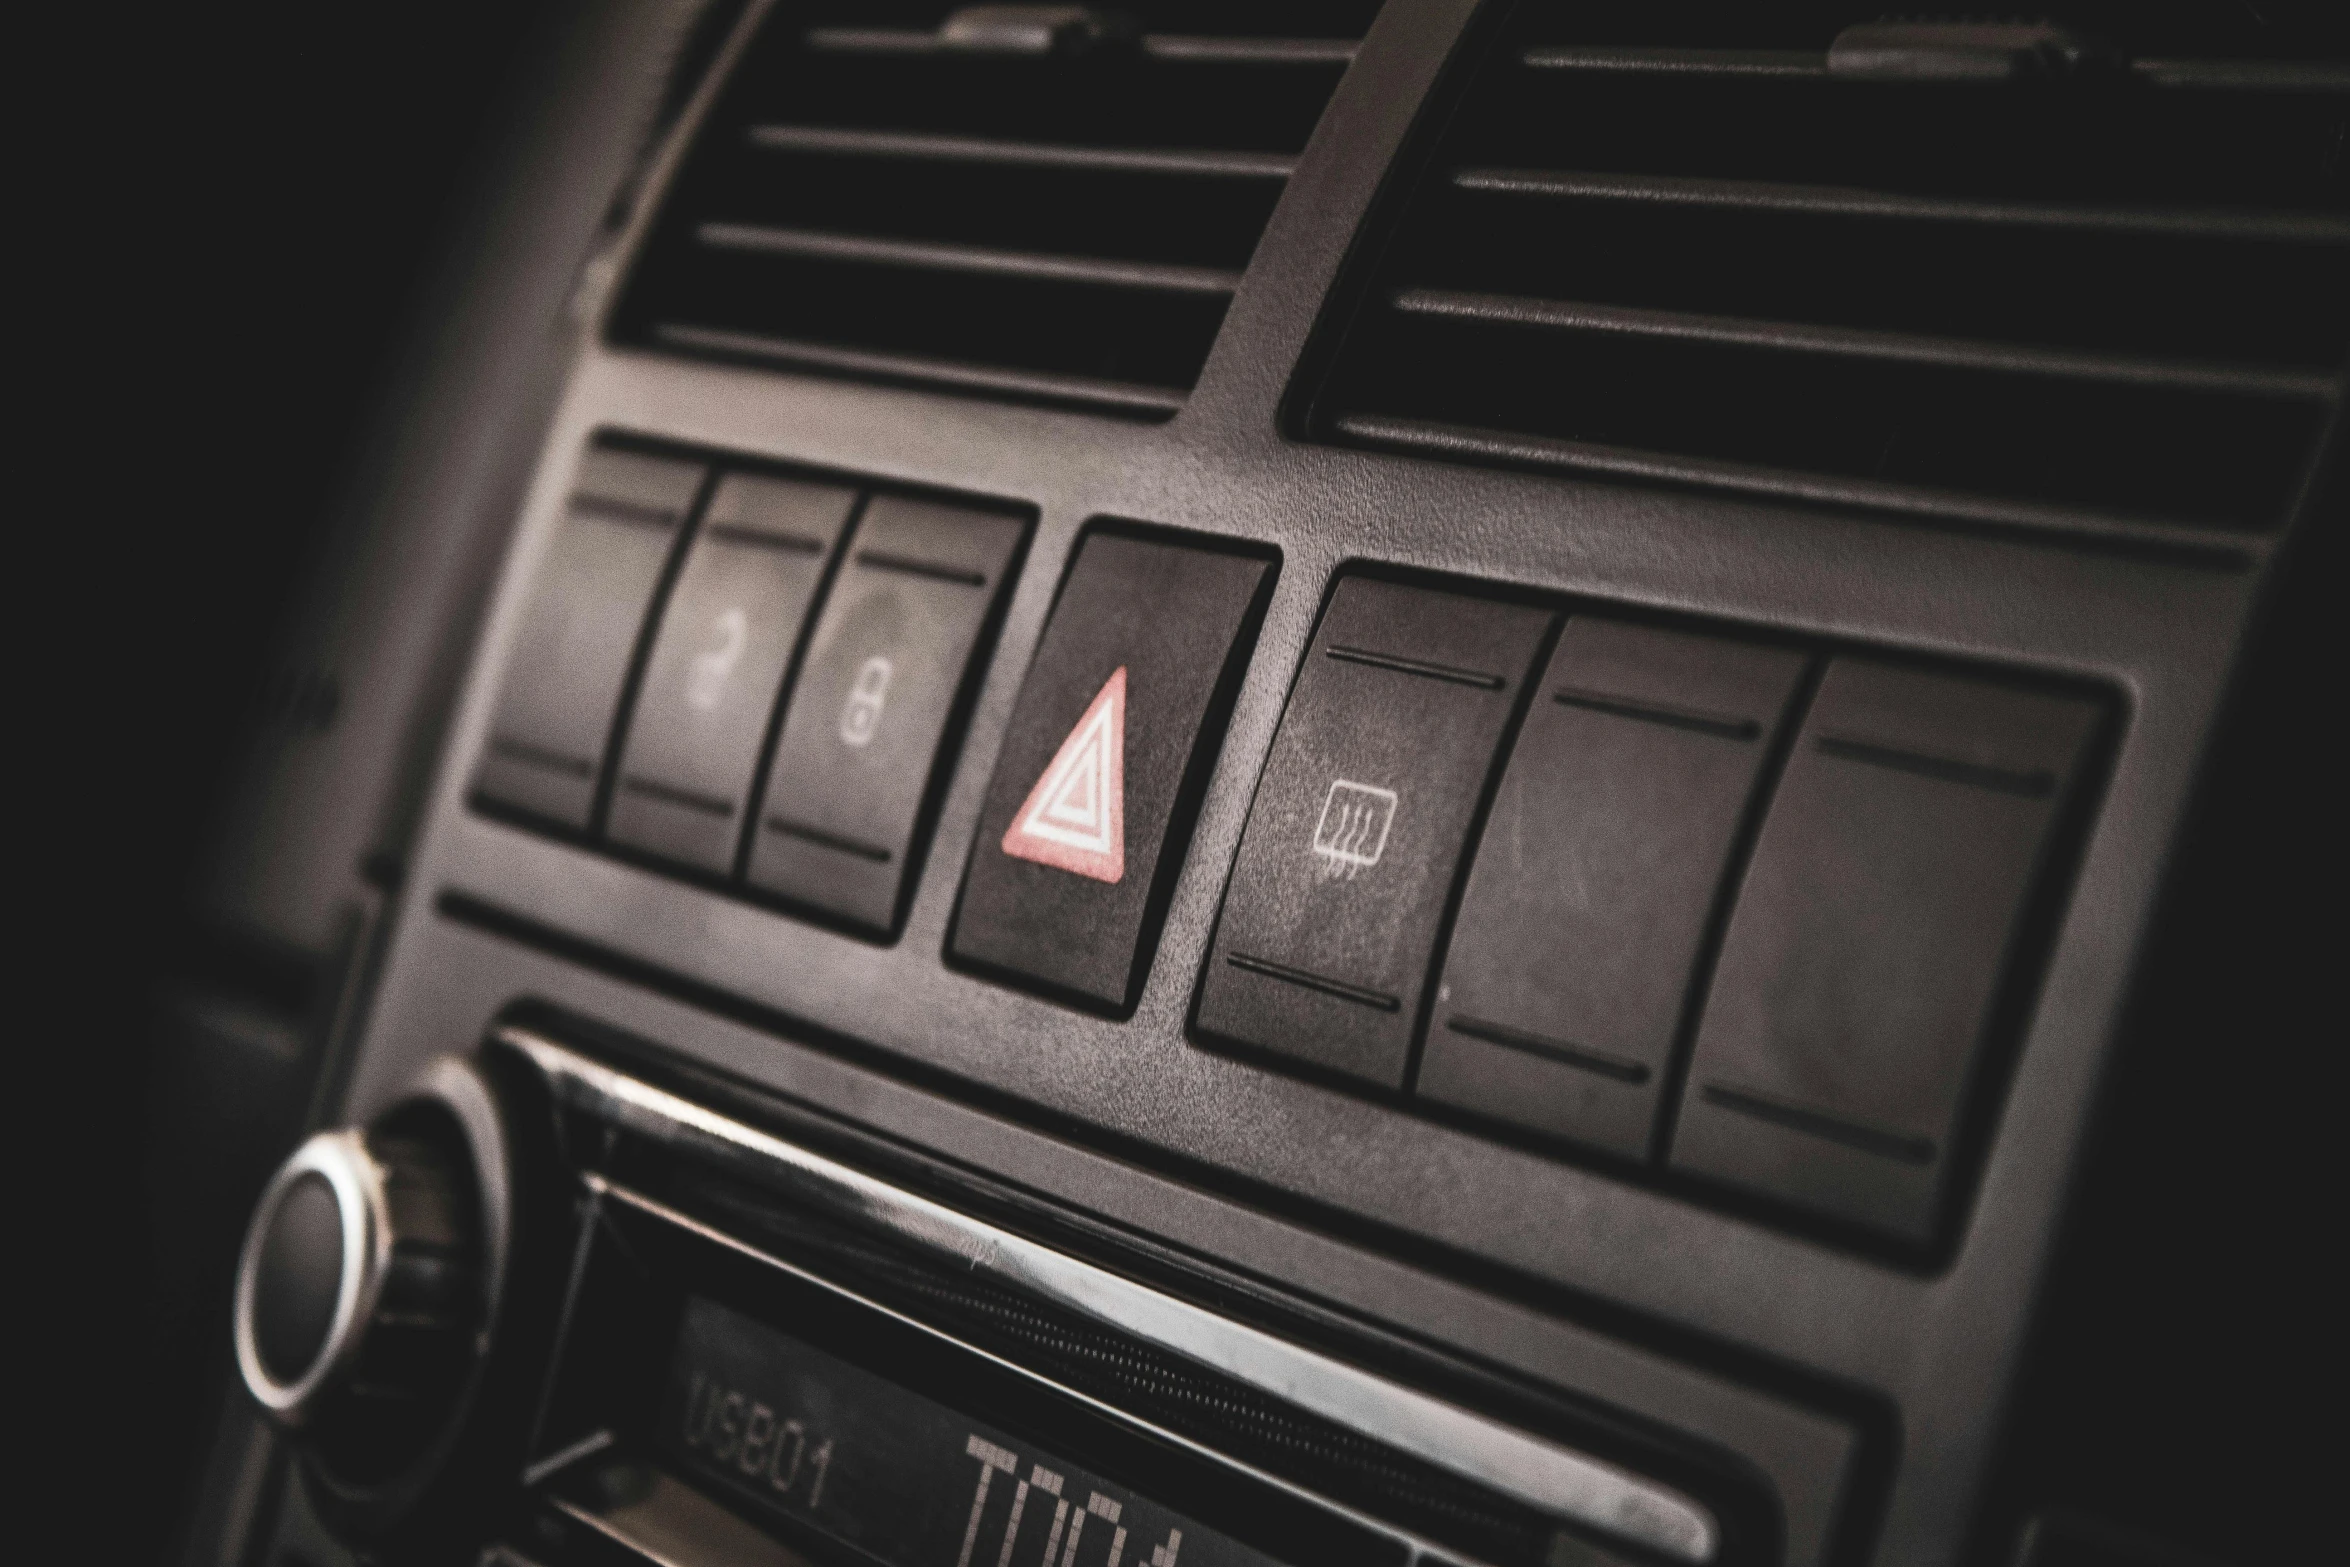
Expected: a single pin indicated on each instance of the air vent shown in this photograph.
(2093, 273)
(1042, 202)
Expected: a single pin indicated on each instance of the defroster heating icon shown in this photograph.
(1352, 831)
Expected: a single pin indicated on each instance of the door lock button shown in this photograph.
(864, 742)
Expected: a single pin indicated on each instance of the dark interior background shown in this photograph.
(244, 206)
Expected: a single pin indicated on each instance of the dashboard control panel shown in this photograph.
(1748, 913)
(1204, 817)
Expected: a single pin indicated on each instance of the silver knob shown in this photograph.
(311, 1273)
(367, 1289)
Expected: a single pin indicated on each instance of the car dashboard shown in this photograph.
(1488, 783)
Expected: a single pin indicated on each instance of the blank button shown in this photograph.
(594, 589)
(1597, 874)
(1873, 964)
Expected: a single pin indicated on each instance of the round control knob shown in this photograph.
(313, 1259)
(367, 1288)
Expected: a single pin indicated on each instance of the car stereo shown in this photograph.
(625, 1326)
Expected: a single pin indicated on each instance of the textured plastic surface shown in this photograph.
(1858, 982)
(1360, 823)
(1180, 620)
(718, 663)
(1580, 930)
(863, 733)
(594, 590)
(1408, 1223)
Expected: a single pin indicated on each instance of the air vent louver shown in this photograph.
(1043, 202)
(1795, 250)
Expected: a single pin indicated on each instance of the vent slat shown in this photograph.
(1179, 47)
(873, 40)
(1679, 62)
(2256, 76)
(1673, 244)
(2282, 76)
(2320, 228)
(1175, 48)
(878, 194)
(1032, 385)
(1788, 337)
(837, 141)
(812, 245)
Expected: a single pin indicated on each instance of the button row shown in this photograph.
(711, 584)
(1760, 914)
(1866, 954)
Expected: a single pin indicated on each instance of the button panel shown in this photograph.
(1117, 727)
(1621, 888)
(1360, 819)
(1597, 874)
(891, 596)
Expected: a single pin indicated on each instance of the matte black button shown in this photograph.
(1598, 870)
(861, 754)
(593, 593)
(1117, 728)
(1360, 820)
(718, 664)
(1862, 972)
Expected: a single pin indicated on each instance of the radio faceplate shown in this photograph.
(823, 1445)
(766, 1346)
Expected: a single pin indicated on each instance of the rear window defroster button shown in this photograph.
(1361, 816)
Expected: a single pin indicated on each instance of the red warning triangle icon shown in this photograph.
(1075, 817)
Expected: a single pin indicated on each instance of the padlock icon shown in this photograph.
(860, 716)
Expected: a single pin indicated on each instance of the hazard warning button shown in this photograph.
(1075, 817)
(1109, 749)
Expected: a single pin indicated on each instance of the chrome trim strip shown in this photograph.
(626, 1541)
(1536, 1472)
(586, 1447)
